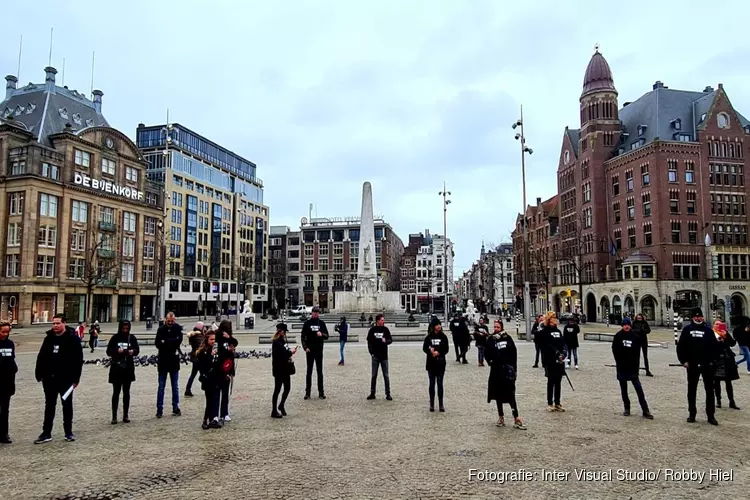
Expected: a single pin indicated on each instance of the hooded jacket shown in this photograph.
(280, 356)
(480, 335)
(60, 359)
(502, 356)
(8, 367)
(439, 342)
(626, 349)
(168, 342)
(552, 345)
(309, 335)
(225, 355)
(641, 328)
(375, 344)
(697, 346)
(127, 342)
(209, 367)
(570, 333)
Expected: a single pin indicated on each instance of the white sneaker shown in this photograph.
(227, 419)
(576, 367)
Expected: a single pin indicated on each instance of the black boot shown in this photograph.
(733, 406)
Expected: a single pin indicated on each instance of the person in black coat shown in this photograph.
(697, 350)
(502, 356)
(552, 344)
(313, 336)
(626, 349)
(570, 334)
(8, 370)
(534, 331)
(168, 342)
(480, 340)
(58, 368)
(227, 345)
(378, 340)
(122, 348)
(436, 347)
(94, 332)
(211, 379)
(726, 368)
(641, 328)
(282, 366)
(456, 333)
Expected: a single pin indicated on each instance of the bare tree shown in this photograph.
(102, 267)
(276, 278)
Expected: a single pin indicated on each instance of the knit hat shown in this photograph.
(697, 312)
(626, 321)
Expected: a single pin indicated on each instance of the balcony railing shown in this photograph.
(106, 226)
(308, 288)
(109, 282)
(338, 288)
(323, 288)
(106, 254)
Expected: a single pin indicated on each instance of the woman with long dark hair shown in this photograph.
(502, 356)
(226, 348)
(211, 377)
(436, 346)
(282, 367)
(552, 343)
(122, 348)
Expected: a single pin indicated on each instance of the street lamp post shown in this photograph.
(526, 286)
(446, 202)
(161, 290)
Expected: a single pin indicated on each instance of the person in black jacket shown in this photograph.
(742, 336)
(343, 330)
(626, 349)
(58, 368)
(436, 347)
(8, 370)
(122, 348)
(641, 328)
(456, 331)
(726, 368)
(480, 339)
(314, 334)
(552, 344)
(281, 365)
(227, 346)
(211, 378)
(570, 334)
(195, 339)
(502, 357)
(378, 340)
(168, 341)
(697, 350)
(94, 332)
(534, 331)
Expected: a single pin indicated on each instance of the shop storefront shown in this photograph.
(43, 307)
(126, 307)
(9, 308)
(102, 308)
(75, 308)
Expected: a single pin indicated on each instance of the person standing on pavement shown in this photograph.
(726, 368)
(282, 366)
(552, 344)
(455, 328)
(480, 339)
(122, 348)
(378, 340)
(58, 367)
(227, 347)
(534, 331)
(168, 342)
(94, 336)
(742, 336)
(81, 332)
(641, 328)
(502, 357)
(570, 334)
(8, 370)
(195, 339)
(626, 349)
(697, 350)
(343, 330)
(211, 377)
(314, 334)
(436, 347)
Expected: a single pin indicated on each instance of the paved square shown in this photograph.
(347, 447)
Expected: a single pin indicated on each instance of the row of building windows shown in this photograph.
(81, 268)
(83, 160)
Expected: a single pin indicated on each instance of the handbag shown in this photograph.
(291, 368)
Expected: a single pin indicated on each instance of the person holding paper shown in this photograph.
(8, 370)
(168, 341)
(378, 340)
(58, 368)
(436, 347)
(122, 347)
(314, 334)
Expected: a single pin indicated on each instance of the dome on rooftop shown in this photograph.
(598, 75)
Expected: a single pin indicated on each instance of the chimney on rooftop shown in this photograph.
(97, 96)
(49, 78)
(10, 85)
(538, 201)
(708, 89)
(658, 85)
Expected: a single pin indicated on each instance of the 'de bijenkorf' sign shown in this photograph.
(107, 186)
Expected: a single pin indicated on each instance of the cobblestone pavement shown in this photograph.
(347, 447)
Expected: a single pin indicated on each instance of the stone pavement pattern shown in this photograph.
(347, 447)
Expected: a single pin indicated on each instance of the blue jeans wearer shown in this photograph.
(573, 355)
(342, 343)
(174, 378)
(745, 356)
(480, 354)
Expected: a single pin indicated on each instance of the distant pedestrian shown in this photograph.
(58, 367)
(455, 328)
(378, 340)
(481, 333)
(343, 330)
(534, 331)
(8, 370)
(502, 357)
(726, 368)
(81, 332)
(642, 329)
(195, 339)
(697, 350)
(168, 342)
(122, 348)
(282, 366)
(742, 336)
(94, 336)
(436, 347)
(570, 334)
(211, 377)
(313, 336)
(552, 344)
(626, 349)
(227, 346)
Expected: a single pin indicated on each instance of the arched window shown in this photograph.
(731, 150)
(709, 148)
(723, 149)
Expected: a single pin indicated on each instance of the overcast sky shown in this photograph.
(323, 95)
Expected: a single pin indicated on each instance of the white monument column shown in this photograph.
(367, 273)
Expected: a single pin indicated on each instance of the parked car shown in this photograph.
(301, 311)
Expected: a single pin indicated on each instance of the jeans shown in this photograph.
(116, 388)
(554, 387)
(439, 379)
(224, 396)
(717, 390)
(745, 356)
(383, 364)
(53, 390)
(342, 343)
(286, 382)
(212, 404)
(513, 407)
(4, 414)
(693, 375)
(317, 359)
(638, 390)
(174, 379)
(573, 354)
(480, 354)
(193, 374)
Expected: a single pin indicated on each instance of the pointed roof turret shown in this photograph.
(598, 75)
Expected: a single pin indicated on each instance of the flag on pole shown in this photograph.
(612, 248)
